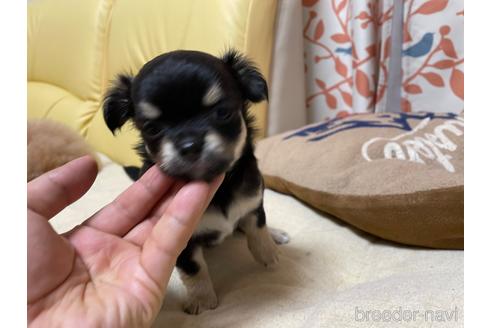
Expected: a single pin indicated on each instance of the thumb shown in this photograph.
(53, 191)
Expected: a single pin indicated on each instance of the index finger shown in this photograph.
(132, 206)
(172, 232)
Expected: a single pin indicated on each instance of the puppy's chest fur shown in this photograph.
(240, 194)
(218, 224)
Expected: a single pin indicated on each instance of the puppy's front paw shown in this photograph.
(197, 305)
(280, 237)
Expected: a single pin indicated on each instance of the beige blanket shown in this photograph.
(330, 274)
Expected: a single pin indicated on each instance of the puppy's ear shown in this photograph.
(118, 105)
(251, 81)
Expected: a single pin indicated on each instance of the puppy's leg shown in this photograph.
(193, 271)
(260, 241)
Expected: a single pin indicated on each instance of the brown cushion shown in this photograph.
(397, 176)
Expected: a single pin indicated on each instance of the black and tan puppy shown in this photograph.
(191, 109)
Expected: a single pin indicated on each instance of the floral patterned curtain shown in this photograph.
(351, 48)
(433, 56)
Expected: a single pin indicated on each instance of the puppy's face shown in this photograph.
(190, 119)
(190, 108)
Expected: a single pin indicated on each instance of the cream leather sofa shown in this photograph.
(75, 49)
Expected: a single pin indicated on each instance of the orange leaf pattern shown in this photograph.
(341, 6)
(331, 100)
(362, 83)
(443, 64)
(432, 6)
(320, 29)
(413, 89)
(457, 83)
(347, 98)
(405, 105)
(448, 47)
(320, 84)
(348, 47)
(340, 67)
(343, 77)
(340, 38)
(432, 61)
(434, 79)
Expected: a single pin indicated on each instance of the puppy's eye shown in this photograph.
(223, 114)
(152, 129)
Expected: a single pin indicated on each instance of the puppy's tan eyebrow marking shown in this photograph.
(149, 110)
(213, 95)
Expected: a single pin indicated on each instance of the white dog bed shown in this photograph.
(330, 275)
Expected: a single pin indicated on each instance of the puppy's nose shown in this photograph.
(190, 147)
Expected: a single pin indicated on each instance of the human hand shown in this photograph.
(113, 269)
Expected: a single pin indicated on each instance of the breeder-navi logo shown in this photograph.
(405, 315)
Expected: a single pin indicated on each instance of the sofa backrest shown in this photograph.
(75, 49)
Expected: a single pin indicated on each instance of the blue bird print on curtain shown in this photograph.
(346, 51)
(420, 48)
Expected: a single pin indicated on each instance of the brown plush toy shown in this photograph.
(50, 145)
